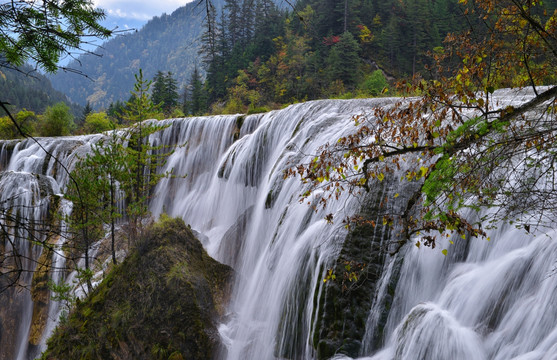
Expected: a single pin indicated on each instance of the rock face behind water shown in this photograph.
(162, 302)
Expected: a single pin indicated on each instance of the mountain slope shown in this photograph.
(166, 43)
(28, 89)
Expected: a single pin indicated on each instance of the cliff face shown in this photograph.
(162, 302)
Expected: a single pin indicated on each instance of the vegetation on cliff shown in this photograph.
(162, 302)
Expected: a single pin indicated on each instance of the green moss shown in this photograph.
(344, 304)
(269, 200)
(258, 110)
(162, 302)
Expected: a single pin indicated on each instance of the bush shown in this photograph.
(57, 121)
(374, 84)
(97, 123)
(26, 121)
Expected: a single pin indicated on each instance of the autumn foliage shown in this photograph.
(463, 150)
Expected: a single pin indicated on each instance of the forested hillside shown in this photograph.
(258, 52)
(253, 55)
(30, 90)
(259, 55)
(167, 43)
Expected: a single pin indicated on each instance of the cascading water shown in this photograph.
(30, 187)
(485, 300)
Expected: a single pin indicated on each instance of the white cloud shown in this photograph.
(139, 10)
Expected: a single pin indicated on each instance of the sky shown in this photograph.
(134, 13)
(127, 14)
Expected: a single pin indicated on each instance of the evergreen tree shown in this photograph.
(344, 61)
(214, 50)
(41, 31)
(158, 93)
(233, 33)
(171, 95)
(185, 101)
(115, 111)
(143, 159)
(247, 25)
(86, 111)
(86, 219)
(165, 92)
(198, 99)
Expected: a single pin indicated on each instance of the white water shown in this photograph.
(491, 300)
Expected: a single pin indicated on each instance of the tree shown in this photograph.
(57, 121)
(42, 31)
(459, 149)
(198, 103)
(97, 123)
(165, 92)
(343, 61)
(158, 88)
(86, 111)
(115, 111)
(26, 121)
(86, 219)
(100, 173)
(374, 84)
(142, 159)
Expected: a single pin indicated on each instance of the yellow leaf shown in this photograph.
(396, 195)
(423, 169)
(380, 176)
(444, 251)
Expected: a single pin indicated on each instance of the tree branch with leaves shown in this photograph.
(463, 148)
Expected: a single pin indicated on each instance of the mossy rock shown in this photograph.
(162, 302)
(343, 308)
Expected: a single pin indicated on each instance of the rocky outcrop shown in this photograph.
(345, 304)
(162, 302)
(40, 294)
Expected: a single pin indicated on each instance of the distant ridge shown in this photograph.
(165, 43)
(29, 89)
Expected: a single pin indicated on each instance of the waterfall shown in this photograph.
(484, 300)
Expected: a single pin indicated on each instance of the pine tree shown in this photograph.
(86, 111)
(344, 61)
(232, 9)
(198, 98)
(247, 25)
(137, 183)
(171, 96)
(158, 93)
(185, 101)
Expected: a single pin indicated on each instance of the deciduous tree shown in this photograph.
(461, 149)
(57, 121)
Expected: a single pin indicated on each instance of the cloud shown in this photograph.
(138, 10)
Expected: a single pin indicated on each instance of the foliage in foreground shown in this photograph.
(463, 150)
